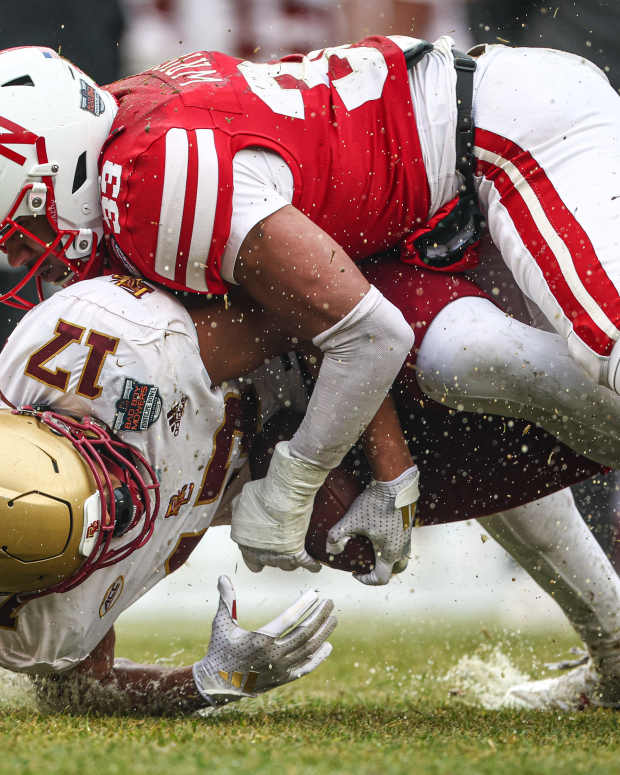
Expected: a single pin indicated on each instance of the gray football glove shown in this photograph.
(241, 664)
(383, 513)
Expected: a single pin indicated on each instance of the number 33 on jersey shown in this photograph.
(341, 118)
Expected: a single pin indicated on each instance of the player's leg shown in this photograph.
(477, 358)
(548, 150)
(551, 541)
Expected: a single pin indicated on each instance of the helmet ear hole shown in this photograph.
(79, 178)
(125, 510)
(23, 80)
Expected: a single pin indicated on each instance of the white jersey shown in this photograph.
(119, 350)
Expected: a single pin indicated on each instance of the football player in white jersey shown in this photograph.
(95, 512)
(187, 199)
(130, 355)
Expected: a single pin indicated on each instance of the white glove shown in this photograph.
(383, 513)
(241, 664)
(271, 516)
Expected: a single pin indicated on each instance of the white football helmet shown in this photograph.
(54, 120)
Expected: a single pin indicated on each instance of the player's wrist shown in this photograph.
(404, 489)
(401, 493)
(212, 694)
(302, 476)
(402, 480)
(274, 513)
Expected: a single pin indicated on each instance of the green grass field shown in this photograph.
(381, 704)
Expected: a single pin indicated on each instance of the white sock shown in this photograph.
(554, 545)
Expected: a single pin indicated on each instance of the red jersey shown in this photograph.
(341, 118)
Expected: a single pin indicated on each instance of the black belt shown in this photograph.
(468, 218)
(465, 66)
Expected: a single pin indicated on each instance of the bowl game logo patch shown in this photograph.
(90, 99)
(138, 408)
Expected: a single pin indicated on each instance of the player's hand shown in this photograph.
(383, 513)
(271, 516)
(257, 559)
(240, 663)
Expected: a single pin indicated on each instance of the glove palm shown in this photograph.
(384, 514)
(240, 663)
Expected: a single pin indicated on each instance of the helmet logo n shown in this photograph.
(16, 135)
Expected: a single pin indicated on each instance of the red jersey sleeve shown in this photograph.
(341, 118)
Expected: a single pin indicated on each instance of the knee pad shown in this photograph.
(459, 350)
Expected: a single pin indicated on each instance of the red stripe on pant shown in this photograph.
(587, 265)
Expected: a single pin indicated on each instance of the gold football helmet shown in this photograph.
(68, 489)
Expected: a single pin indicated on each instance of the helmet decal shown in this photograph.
(16, 135)
(91, 100)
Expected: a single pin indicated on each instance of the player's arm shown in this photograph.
(384, 511)
(238, 664)
(236, 335)
(100, 683)
(299, 274)
(383, 441)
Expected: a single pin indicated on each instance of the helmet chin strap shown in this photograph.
(36, 199)
(81, 245)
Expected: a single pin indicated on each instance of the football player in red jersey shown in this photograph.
(318, 293)
(215, 171)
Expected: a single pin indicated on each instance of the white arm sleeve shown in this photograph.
(363, 353)
(373, 339)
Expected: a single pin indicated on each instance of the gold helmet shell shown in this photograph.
(45, 490)
(55, 474)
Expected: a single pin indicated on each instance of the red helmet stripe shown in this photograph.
(16, 135)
